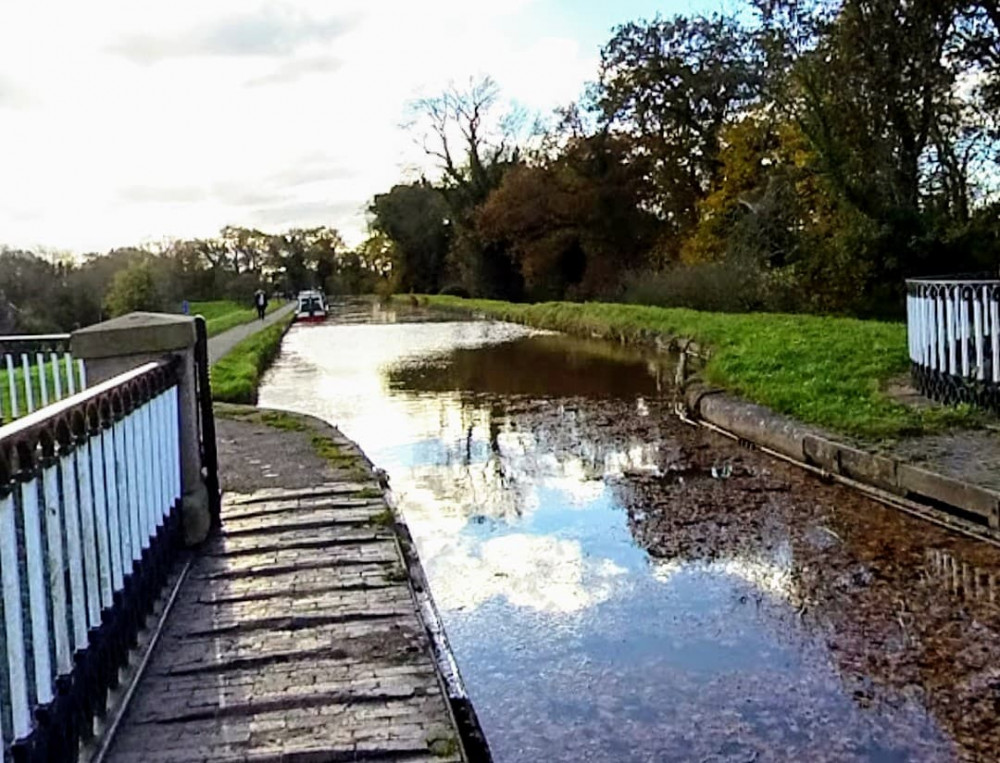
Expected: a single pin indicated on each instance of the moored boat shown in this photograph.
(312, 307)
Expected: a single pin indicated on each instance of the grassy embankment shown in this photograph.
(830, 372)
(223, 314)
(236, 376)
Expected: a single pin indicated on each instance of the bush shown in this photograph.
(132, 289)
(711, 286)
(721, 287)
(242, 287)
(455, 290)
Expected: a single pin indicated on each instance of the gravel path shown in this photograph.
(222, 343)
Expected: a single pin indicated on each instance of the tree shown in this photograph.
(132, 289)
(474, 146)
(189, 273)
(879, 94)
(574, 224)
(486, 145)
(377, 254)
(33, 292)
(978, 30)
(669, 86)
(416, 218)
(324, 249)
(774, 219)
(244, 248)
(302, 258)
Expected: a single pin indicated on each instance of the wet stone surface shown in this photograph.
(295, 636)
(618, 586)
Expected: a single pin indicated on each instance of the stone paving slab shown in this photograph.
(294, 638)
(310, 495)
(262, 519)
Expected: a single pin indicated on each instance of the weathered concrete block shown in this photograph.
(695, 391)
(756, 424)
(134, 334)
(821, 452)
(971, 498)
(868, 468)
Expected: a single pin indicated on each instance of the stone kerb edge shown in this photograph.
(765, 428)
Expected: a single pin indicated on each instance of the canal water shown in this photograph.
(620, 586)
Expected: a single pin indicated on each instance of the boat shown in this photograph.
(312, 307)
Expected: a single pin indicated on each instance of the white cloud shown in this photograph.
(295, 69)
(265, 31)
(537, 572)
(124, 121)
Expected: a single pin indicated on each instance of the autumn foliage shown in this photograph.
(803, 155)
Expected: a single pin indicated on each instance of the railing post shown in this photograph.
(118, 345)
(209, 451)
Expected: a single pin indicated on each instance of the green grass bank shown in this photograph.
(829, 372)
(236, 376)
(224, 314)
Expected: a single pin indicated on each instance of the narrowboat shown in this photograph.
(311, 308)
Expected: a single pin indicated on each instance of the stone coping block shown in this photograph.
(752, 422)
(134, 334)
(763, 427)
(923, 483)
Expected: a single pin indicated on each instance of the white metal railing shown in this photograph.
(35, 370)
(87, 487)
(953, 327)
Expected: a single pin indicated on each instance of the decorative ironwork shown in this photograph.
(18, 343)
(953, 328)
(89, 523)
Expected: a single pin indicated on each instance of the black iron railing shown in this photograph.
(90, 492)
(953, 325)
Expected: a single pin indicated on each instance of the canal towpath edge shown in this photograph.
(220, 344)
(951, 485)
(299, 632)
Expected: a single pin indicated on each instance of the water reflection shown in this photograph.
(539, 572)
(541, 365)
(620, 587)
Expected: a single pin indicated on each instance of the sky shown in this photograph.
(126, 122)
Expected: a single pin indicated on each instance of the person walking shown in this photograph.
(260, 302)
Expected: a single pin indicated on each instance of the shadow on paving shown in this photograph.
(295, 636)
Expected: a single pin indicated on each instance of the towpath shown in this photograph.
(222, 343)
(295, 635)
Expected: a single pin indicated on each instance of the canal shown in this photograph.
(620, 586)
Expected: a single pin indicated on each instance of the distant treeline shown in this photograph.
(801, 156)
(42, 292)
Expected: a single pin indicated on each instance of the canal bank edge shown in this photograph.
(347, 455)
(237, 374)
(811, 447)
(475, 746)
(971, 504)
